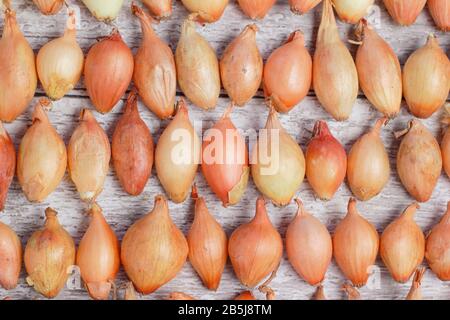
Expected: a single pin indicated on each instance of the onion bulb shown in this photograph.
(419, 161)
(415, 293)
(60, 62)
(326, 162)
(153, 249)
(255, 248)
(288, 73)
(352, 11)
(303, 6)
(335, 79)
(7, 164)
(206, 11)
(104, 10)
(309, 246)
(404, 12)
(49, 254)
(160, 9)
(402, 245)
(256, 9)
(42, 157)
(440, 11)
(49, 7)
(445, 144)
(108, 71)
(355, 245)
(10, 257)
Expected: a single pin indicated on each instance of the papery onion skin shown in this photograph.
(108, 71)
(404, 12)
(7, 164)
(256, 9)
(303, 6)
(104, 10)
(10, 257)
(445, 143)
(98, 256)
(415, 293)
(352, 11)
(49, 254)
(426, 79)
(207, 11)
(288, 73)
(18, 78)
(155, 71)
(132, 149)
(402, 245)
(319, 294)
(42, 157)
(49, 7)
(255, 248)
(153, 249)
(161, 9)
(326, 162)
(440, 11)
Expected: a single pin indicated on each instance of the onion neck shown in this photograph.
(410, 212)
(39, 113)
(261, 215)
(250, 32)
(328, 31)
(188, 26)
(145, 19)
(301, 212)
(273, 121)
(376, 130)
(432, 40)
(52, 220)
(131, 105)
(11, 26)
(298, 37)
(228, 111)
(351, 208)
(321, 129)
(71, 25)
(160, 208)
(87, 116)
(446, 218)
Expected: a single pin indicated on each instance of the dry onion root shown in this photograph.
(206, 11)
(303, 6)
(7, 164)
(440, 11)
(404, 12)
(256, 9)
(351, 292)
(10, 257)
(319, 294)
(49, 7)
(415, 292)
(104, 10)
(352, 11)
(160, 9)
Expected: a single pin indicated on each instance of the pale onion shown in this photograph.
(161, 9)
(42, 157)
(326, 162)
(288, 73)
(49, 254)
(278, 164)
(59, 63)
(404, 12)
(7, 164)
(98, 256)
(415, 293)
(49, 7)
(256, 9)
(426, 79)
(302, 6)
(352, 11)
(368, 167)
(104, 10)
(402, 245)
(155, 72)
(89, 153)
(335, 79)
(445, 144)
(440, 11)
(108, 71)
(207, 11)
(10, 257)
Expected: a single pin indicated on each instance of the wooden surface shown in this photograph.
(122, 210)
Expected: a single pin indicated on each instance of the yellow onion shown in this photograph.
(49, 7)
(404, 12)
(368, 167)
(246, 295)
(98, 256)
(352, 11)
(132, 149)
(278, 163)
(60, 62)
(255, 248)
(335, 78)
(49, 254)
(225, 160)
(419, 161)
(207, 11)
(42, 157)
(440, 11)
(89, 153)
(288, 73)
(197, 67)
(355, 245)
(256, 9)
(326, 162)
(177, 155)
(379, 71)
(10, 257)
(437, 250)
(302, 6)
(104, 10)
(415, 293)
(402, 245)
(426, 79)
(445, 144)
(7, 164)
(241, 67)
(208, 251)
(309, 246)
(159, 8)
(155, 72)
(108, 71)
(153, 249)
(18, 79)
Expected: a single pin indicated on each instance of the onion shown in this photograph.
(426, 79)
(255, 248)
(108, 71)
(225, 160)
(155, 72)
(180, 296)
(246, 295)
(153, 249)
(177, 155)
(278, 163)
(42, 157)
(132, 149)
(207, 11)
(352, 11)
(440, 11)
(49, 254)
(415, 293)
(445, 144)
(404, 12)
(355, 245)
(326, 162)
(335, 78)
(402, 245)
(241, 67)
(288, 73)
(104, 10)
(10, 257)
(49, 7)
(159, 8)
(309, 246)
(256, 9)
(368, 167)
(379, 71)
(60, 62)
(419, 161)
(18, 77)
(7, 164)
(302, 6)
(89, 153)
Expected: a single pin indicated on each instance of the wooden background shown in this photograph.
(122, 210)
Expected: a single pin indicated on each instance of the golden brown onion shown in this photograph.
(10, 257)
(256, 9)
(404, 12)
(49, 7)
(440, 11)
(7, 164)
(302, 6)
